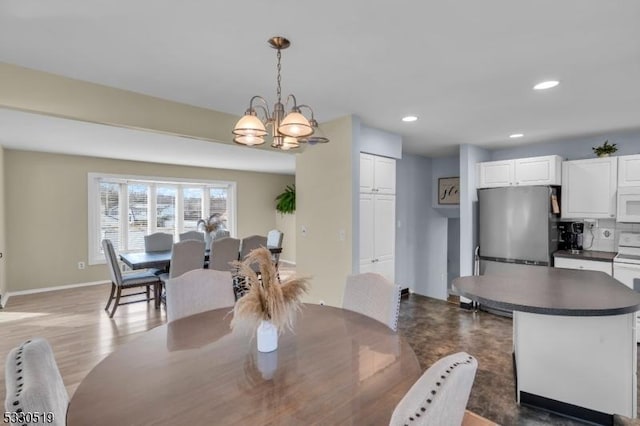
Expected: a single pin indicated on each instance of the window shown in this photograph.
(126, 208)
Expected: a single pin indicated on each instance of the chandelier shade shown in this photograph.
(287, 131)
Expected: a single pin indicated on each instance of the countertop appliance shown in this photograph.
(626, 264)
(517, 227)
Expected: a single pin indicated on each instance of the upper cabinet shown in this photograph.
(377, 174)
(523, 171)
(589, 188)
(629, 170)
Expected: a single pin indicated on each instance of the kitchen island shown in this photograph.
(573, 337)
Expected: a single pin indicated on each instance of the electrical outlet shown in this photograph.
(81, 265)
(342, 235)
(606, 233)
(304, 231)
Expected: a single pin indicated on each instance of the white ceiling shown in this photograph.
(466, 68)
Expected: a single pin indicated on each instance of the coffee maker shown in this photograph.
(575, 237)
(570, 236)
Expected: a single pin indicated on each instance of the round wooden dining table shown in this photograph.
(335, 367)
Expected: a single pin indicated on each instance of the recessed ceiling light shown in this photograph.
(546, 85)
(409, 118)
(516, 135)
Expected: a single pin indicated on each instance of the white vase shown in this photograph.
(267, 337)
(207, 240)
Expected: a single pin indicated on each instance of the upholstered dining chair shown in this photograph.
(373, 295)
(191, 235)
(198, 291)
(34, 384)
(250, 243)
(158, 241)
(119, 282)
(440, 395)
(221, 233)
(186, 256)
(274, 239)
(223, 252)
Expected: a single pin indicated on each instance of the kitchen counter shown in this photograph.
(600, 256)
(565, 323)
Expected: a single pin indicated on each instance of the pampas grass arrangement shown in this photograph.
(267, 298)
(216, 221)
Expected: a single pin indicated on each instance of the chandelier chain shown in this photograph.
(279, 69)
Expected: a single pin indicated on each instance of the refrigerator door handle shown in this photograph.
(516, 261)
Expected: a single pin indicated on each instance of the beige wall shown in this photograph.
(36, 91)
(324, 205)
(46, 214)
(287, 224)
(3, 272)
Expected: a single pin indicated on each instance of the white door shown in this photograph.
(367, 229)
(384, 236)
(538, 170)
(629, 170)
(366, 172)
(385, 175)
(589, 188)
(493, 174)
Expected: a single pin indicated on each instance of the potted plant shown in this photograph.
(286, 202)
(605, 149)
(210, 226)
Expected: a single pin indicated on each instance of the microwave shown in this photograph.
(629, 204)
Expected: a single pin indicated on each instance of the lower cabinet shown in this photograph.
(587, 265)
(377, 234)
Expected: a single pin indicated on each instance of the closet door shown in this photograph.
(366, 232)
(384, 236)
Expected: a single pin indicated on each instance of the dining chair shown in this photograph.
(373, 295)
(250, 243)
(223, 252)
(119, 282)
(191, 235)
(440, 395)
(159, 241)
(198, 291)
(221, 233)
(33, 383)
(186, 256)
(274, 239)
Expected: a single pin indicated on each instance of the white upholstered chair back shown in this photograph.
(223, 251)
(198, 291)
(186, 256)
(274, 238)
(158, 241)
(373, 295)
(33, 381)
(440, 395)
(191, 235)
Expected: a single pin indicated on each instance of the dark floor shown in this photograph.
(435, 329)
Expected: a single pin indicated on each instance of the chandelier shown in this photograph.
(288, 131)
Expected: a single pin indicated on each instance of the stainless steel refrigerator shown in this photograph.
(517, 226)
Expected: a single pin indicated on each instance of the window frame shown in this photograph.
(95, 255)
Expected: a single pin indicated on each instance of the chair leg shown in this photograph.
(113, 290)
(117, 302)
(148, 294)
(157, 291)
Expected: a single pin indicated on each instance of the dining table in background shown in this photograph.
(335, 367)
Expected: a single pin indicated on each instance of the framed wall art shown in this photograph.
(449, 190)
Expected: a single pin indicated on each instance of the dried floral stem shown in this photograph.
(267, 299)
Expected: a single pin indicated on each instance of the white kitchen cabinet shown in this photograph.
(629, 170)
(585, 265)
(544, 170)
(377, 234)
(589, 188)
(377, 174)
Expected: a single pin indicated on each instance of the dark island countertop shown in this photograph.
(600, 256)
(551, 291)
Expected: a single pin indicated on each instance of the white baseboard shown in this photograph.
(6, 296)
(287, 261)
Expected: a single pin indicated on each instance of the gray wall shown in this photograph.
(453, 249)
(421, 250)
(444, 167)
